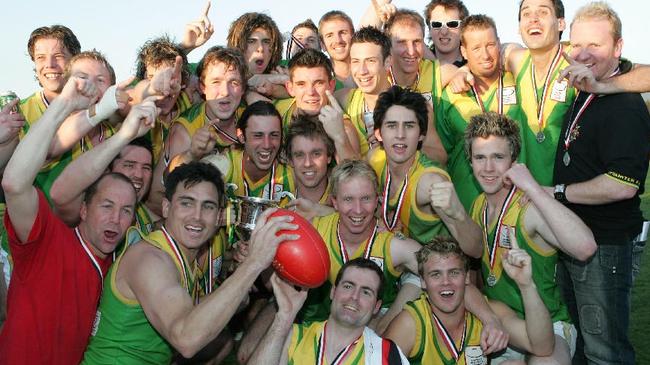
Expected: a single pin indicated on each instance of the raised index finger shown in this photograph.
(178, 66)
(206, 9)
(333, 102)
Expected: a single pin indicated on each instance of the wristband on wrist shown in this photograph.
(104, 108)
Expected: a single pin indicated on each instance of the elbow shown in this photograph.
(10, 184)
(589, 249)
(187, 349)
(187, 344)
(624, 192)
(543, 349)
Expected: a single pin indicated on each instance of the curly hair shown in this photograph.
(59, 32)
(493, 124)
(241, 29)
(158, 52)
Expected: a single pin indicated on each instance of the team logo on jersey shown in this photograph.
(509, 95)
(559, 91)
(474, 356)
(504, 236)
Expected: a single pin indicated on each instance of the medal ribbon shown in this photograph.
(44, 100)
(394, 82)
(82, 142)
(547, 83)
(506, 204)
(224, 133)
(179, 256)
(386, 198)
(340, 357)
(367, 249)
(447, 339)
(499, 92)
(271, 182)
(93, 260)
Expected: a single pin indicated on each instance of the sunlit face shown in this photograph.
(337, 34)
(223, 89)
(355, 201)
(191, 217)
(592, 44)
(258, 51)
(491, 158)
(354, 299)
(445, 278)
(400, 134)
(539, 26)
(263, 139)
(93, 70)
(167, 103)
(368, 68)
(308, 37)
(407, 47)
(481, 49)
(445, 40)
(309, 160)
(50, 59)
(308, 86)
(135, 163)
(107, 216)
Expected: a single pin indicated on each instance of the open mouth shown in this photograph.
(534, 31)
(265, 156)
(110, 235)
(446, 293)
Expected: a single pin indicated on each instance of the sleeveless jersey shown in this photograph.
(304, 346)
(453, 116)
(283, 180)
(416, 224)
(210, 263)
(544, 261)
(160, 131)
(143, 220)
(356, 109)
(540, 157)
(429, 346)
(122, 334)
(286, 108)
(428, 82)
(195, 118)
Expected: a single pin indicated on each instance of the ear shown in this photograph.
(240, 135)
(561, 24)
(83, 211)
(202, 87)
(388, 62)
(463, 51)
(377, 307)
(165, 207)
(289, 85)
(378, 135)
(618, 48)
(334, 203)
(332, 84)
(332, 292)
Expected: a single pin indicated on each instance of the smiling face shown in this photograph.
(482, 50)
(407, 48)
(309, 160)
(539, 26)
(444, 277)
(356, 201)
(400, 134)
(107, 215)
(50, 59)
(223, 89)
(337, 34)
(368, 68)
(592, 44)
(263, 139)
(93, 70)
(135, 163)
(258, 51)
(445, 40)
(491, 158)
(354, 299)
(192, 214)
(308, 86)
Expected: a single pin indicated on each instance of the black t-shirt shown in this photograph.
(613, 138)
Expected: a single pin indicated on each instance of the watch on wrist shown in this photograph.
(560, 193)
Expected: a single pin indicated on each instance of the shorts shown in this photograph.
(563, 329)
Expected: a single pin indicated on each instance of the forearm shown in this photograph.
(467, 233)
(476, 304)
(635, 81)
(344, 149)
(599, 190)
(74, 128)
(6, 151)
(407, 293)
(269, 350)
(539, 326)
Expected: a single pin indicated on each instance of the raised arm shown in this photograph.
(377, 13)
(10, 125)
(67, 190)
(31, 152)
(341, 132)
(637, 80)
(554, 222)
(198, 32)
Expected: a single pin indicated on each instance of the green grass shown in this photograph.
(640, 317)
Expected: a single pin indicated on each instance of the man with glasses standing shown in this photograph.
(443, 19)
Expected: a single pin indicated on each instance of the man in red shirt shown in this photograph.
(58, 271)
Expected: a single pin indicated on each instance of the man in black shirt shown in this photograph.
(600, 169)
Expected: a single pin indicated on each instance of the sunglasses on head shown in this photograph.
(452, 24)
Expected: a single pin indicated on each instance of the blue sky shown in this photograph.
(119, 27)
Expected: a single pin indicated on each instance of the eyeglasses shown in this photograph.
(452, 24)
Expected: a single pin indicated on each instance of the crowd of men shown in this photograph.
(479, 201)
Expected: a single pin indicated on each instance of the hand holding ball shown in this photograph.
(304, 262)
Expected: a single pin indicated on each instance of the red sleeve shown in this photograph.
(25, 255)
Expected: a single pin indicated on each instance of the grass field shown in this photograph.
(641, 296)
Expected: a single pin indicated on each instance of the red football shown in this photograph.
(305, 261)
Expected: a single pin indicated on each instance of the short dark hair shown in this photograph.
(193, 173)
(59, 32)
(229, 56)
(447, 4)
(91, 190)
(476, 22)
(493, 124)
(95, 56)
(411, 100)
(333, 15)
(404, 16)
(241, 29)
(160, 51)
(363, 263)
(558, 7)
(307, 23)
(142, 142)
(259, 108)
(308, 127)
(443, 246)
(375, 36)
(311, 58)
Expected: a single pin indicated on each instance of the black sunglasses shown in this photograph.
(452, 24)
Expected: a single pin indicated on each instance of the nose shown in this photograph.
(364, 68)
(339, 38)
(224, 89)
(308, 160)
(311, 90)
(51, 61)
(401, 131)
(581, 55)
(489, 164)
(410, 48)
(266, 141)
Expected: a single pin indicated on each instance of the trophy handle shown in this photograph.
(287, 194)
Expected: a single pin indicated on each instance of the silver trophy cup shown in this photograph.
(247, 210)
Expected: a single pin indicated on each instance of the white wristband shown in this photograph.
(105, 107)
(408, 277)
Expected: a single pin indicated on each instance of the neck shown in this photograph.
(543, 57)
(339, 336)
(453, 322)
(483, 83)
(83, 231)
(495, 201)
(404, 79)
(371, 100)
(352, 241)
(342, 69)
(399, 171)
(50, 95)
(251, 169)
(188, 253)
(448, 58)
(313, 194)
